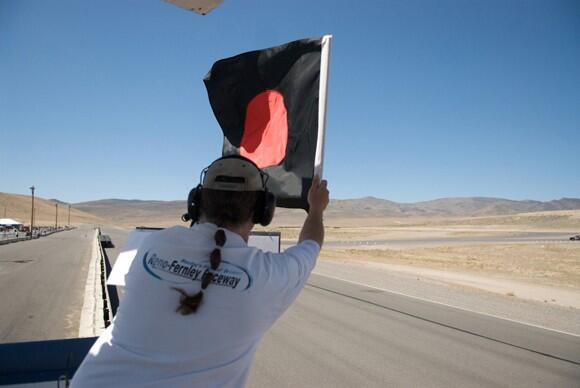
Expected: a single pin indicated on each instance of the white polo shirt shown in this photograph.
(149, 344)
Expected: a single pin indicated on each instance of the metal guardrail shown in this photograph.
(110, 297)
(34, 236)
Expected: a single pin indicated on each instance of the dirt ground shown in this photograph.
(555, 265)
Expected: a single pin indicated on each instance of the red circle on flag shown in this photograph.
(265, 130)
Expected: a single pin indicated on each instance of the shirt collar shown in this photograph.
(233, 240)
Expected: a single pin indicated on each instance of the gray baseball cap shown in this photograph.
(233, 174)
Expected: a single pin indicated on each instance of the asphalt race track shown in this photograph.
(343, 335)
(337, 334)
(42, 285)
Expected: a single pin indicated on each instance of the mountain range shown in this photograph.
(164, 213)
(143, 212)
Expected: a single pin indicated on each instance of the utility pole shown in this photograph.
(32, 212)
(69, 214)
(56, 217)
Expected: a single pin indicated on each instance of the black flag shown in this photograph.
(267, 104)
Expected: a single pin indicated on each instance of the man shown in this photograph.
(198, 300)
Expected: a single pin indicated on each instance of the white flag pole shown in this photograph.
(322, 93)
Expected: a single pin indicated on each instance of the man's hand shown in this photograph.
(318, 195)
(313, 228)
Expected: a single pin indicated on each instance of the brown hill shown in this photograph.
(447, 207)
(18, 207)
(165, 213)
(135, 212)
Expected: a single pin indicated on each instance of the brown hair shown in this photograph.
(190, 303)
(225, 209)
(228, 208)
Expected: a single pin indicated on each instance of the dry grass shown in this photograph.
(549, 264)
(289, 223)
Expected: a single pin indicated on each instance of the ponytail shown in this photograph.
(190, 303)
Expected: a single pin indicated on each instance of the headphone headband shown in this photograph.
(233, 177)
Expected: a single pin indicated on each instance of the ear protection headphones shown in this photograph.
(263, 210)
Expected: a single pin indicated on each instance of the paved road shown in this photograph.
(42, 286)
(520, 238)
(336, 335)
(343, 335)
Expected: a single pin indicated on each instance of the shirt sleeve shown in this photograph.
(287, 274)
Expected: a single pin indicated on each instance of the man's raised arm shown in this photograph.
(313, 228)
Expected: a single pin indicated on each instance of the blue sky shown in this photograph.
(428, 99)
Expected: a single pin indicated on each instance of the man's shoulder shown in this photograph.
(174, 230)
(174, 234)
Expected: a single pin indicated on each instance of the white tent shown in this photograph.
(9, 222)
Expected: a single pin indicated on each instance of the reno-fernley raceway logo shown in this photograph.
(181, 271)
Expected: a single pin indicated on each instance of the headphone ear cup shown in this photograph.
(268, 208)
(259, 208)
(194, 203)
